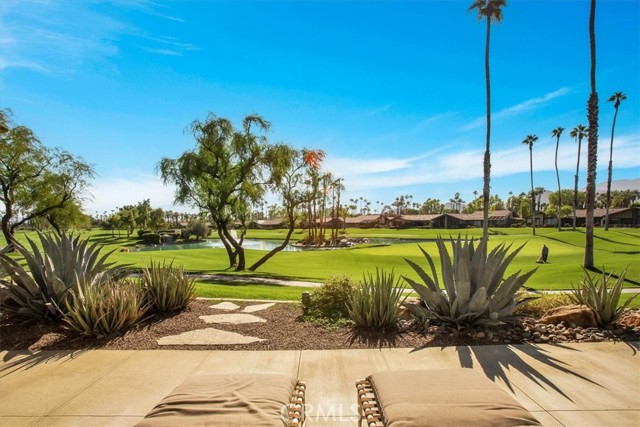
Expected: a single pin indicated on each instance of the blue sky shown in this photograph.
(393, 92)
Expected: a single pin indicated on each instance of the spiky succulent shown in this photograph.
(603, 300)
(473, 286)
(53, 268)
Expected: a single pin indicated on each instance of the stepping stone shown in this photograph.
(234, 318)
(228, 306)
(258, 307)
(208, 336)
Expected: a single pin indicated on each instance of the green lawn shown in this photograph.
(615, 249)
(249, 291)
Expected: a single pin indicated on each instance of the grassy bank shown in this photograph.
(616, 249)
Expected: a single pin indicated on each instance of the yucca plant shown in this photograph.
(474, 290)
(104, 308)
(167, 288)
(603, 300)
(374, 303)
(38, 289)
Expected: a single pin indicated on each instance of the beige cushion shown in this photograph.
(447, 397)
(225, 400)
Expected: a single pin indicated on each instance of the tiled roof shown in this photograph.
(427, 217)
(600, 212)
(362, 218)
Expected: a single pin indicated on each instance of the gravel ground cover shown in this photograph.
(284, 330)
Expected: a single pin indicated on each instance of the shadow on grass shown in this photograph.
(615, 276)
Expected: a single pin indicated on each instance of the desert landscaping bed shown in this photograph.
(284, 330)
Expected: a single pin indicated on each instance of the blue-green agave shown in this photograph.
(473, 289)
(38, 289)
(603, 300)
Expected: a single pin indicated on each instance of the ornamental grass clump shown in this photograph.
(603, 300)
(474, 290)
(167, 288)
(54, 268)
(105, 308)
(374, 303)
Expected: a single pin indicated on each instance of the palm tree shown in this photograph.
(616, 98)
(556, 133)
(491, 10)
(529, 140)
(578, 133)
(592, 148)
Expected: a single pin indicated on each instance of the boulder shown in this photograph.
(630, 319)
(577, 314)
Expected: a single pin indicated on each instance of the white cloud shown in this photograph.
(107, 194)
(57, 37)
(439, 167)
(518, 108)
(449, 166)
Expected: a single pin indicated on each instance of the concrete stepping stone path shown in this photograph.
(227, 306)
(208, 336)
(233, 318)
(258, 307)
(212, 336)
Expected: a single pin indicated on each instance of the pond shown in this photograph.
(267, 245)
(257, 244)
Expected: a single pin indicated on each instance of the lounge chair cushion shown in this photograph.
(225, 400)
(447, 397)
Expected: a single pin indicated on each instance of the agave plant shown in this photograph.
(167, 288)
(474, 289)
(602, 300)
(53, 268)
(375, 302)
(104, 308)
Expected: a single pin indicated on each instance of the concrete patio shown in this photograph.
(589, 384)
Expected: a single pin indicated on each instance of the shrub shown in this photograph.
(143, 232)
(151, 239)
(39, 290)
(474, 289)
(374, 303)
(539, 306)
(198, 228)
(167, 288)
(102, 309)
(185, 234)
(602, 300)
(330, 300)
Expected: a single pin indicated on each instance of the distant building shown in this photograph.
(618, 217)
(268, 224)
(366, 221)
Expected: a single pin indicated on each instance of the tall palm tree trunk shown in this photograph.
(533, 195)
(559, 189)
(592, 150)
(610, 172)
(575, 185)
(487, 153)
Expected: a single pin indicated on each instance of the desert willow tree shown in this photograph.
(224, 175)
(592, 146)
(578, 132)
(491, 10)
(616, 98)
(556, 133)
(289, 170)
(530, 140)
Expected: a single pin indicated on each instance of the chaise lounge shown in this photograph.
(231, 400)
(429, 398)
